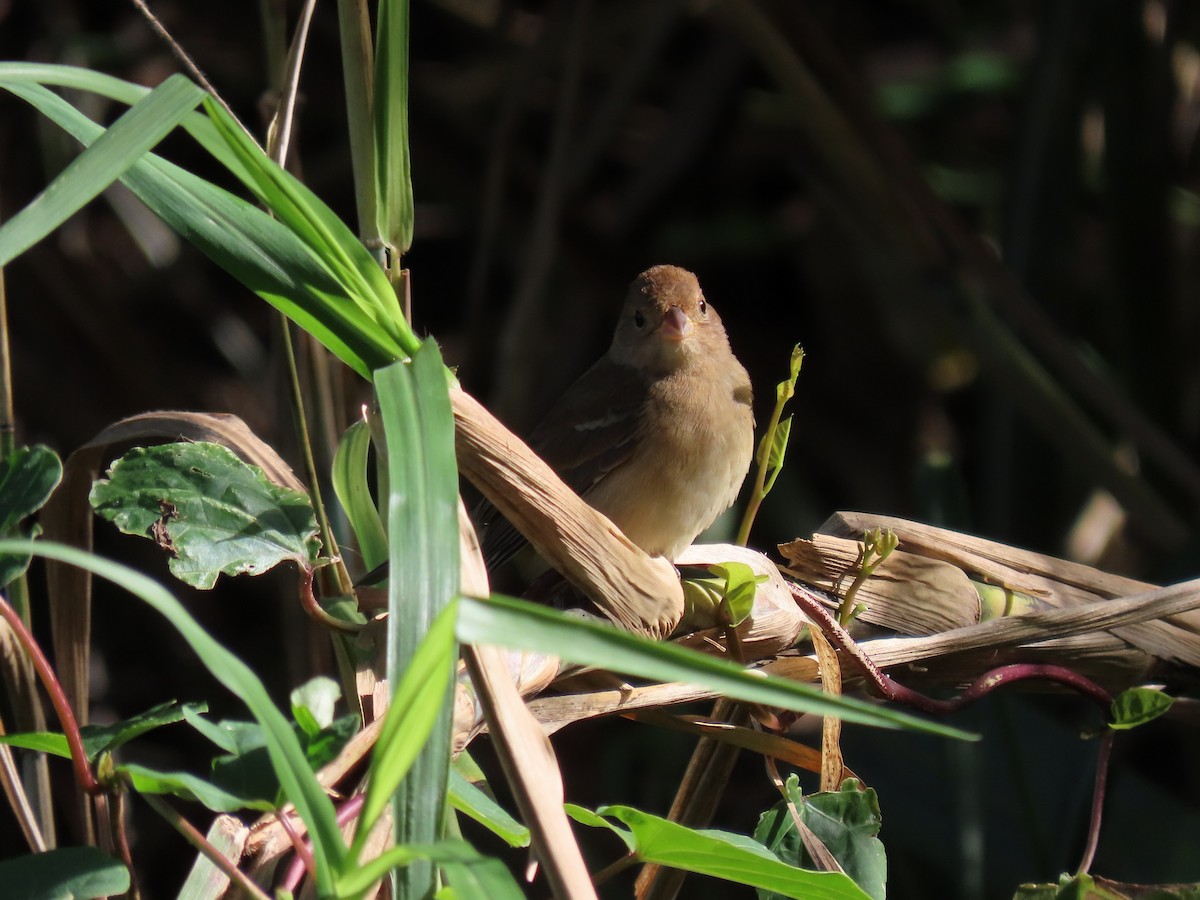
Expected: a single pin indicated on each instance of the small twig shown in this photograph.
(614, 868)
(184, 58)
(193, 836)
(279, 134)
(58, 698)
(299, 844)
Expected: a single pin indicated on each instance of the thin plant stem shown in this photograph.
(58, 698)
(193, 836)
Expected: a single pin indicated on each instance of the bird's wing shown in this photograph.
(591, 430)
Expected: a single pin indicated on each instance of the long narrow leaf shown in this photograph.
(295, 777)
(520, 625)
(418, 424)
(412, 714)
(393, 168)
(315, 224)
(197, 124)
(350, 467)
(145, 124)
(256, 249)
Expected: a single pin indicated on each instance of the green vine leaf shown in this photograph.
(214, 513)
(1137, 706)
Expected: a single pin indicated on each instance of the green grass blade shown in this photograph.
(315, 224)
(259, 251)
(299, 784)
(145, 124)
(412, 714)
(350, 468)
(393, 167)
(414, 404)
(517, 624)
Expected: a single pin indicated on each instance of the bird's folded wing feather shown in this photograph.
(589, 432)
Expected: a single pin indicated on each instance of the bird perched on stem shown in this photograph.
(658, 434)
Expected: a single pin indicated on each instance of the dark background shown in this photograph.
(838, 174)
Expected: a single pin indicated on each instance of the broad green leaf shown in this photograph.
(69, 873)
(740, 586)
(519, 625)
(261, 252)
(422, 511)
(297, 780)
(190, 787)
(99, 739)
(214, 513)
(720, 854)
(27, 479)
(315, 700)
(145, 124)
(353, 492)
(471, 801)
(1137, 706)
(847, 821)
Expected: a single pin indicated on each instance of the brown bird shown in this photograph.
(659, 433)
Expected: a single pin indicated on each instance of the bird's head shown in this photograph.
(665, 321)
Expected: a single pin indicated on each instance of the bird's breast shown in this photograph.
(695, 443)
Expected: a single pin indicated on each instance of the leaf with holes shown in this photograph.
(212, 512)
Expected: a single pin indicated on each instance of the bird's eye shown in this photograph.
(703, 307)
(639, 320)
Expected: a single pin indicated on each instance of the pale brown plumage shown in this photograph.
(659, 433)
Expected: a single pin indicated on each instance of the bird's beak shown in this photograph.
(676, 325)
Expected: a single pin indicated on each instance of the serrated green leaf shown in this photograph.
(1137, 706)
(719, 854)
(846, 821)
(213, 512)
(69, 873)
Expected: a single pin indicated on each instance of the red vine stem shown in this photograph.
(899, 693)
(70, 726)
(985, 684)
